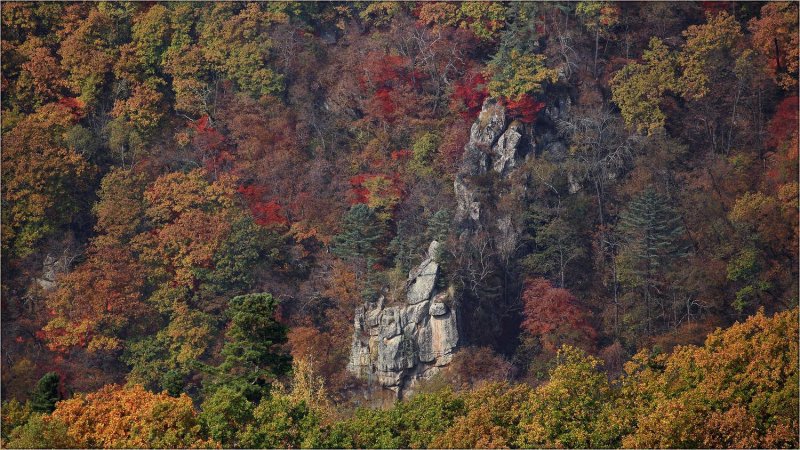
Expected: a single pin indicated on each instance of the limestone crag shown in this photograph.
(505, 150)
(499, 144)
(400, 344)
(394, 346)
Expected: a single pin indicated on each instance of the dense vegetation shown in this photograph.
(739, 390)
(196, 197)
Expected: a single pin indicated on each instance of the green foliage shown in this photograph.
(556, 241)
(161, 362)
(439, 226)
(523, 32)
(235, 41)
(41, 431)
(280, 422)
(14, 414)
(248, 248)
(639, 88)
(563, 412)
(408, 424)
(598, 15)
(362, 232)
(653, 234)
(225, 412)
(738, 390)
(484, 19)
(653, 242)
(45, 394)
(252, 357)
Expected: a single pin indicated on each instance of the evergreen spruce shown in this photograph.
(45, 395)
(252, 357)
(361, 233)
(653, 237)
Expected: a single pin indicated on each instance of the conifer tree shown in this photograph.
(252, 359)
(653, 241)
(45, 394)
(358, 243)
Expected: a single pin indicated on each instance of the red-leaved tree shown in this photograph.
(555, 317)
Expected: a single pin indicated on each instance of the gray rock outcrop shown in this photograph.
(499, 145)
(505, 150)
(400, 344)
(55, 265)
(397, 345)
(483, 137)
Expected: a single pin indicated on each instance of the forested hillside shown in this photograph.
(400, 224)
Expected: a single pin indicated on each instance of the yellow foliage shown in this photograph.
(701, 53)
(521, 74)
(638, 88)
(131, 417)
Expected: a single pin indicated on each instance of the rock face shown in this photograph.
(397, 345)
(499, 146)
(506, 148)
(54, 266)
(494, 144)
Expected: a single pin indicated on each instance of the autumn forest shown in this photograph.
(400, 225)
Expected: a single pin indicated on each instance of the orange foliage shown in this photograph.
(193, 218)
(41, 176)
(46, 75)
(491, 421)
(131, 417)
(775, 34)
(96, 301)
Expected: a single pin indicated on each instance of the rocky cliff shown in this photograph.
(397, 345)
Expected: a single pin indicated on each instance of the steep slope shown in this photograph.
(395, 346)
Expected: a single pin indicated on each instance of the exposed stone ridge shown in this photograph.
(493, 145)
(397, 345)
(499, 144)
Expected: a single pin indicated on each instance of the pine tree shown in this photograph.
(252, 357)
(653, 241)
(439, 225)
(45, 395)
(361, 233)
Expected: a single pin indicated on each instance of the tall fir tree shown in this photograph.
(253, 357)
(652, 233)
(45, 395)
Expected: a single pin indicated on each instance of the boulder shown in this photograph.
(490, 125)
(422, 279)
(437, 309)
(505, 150)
